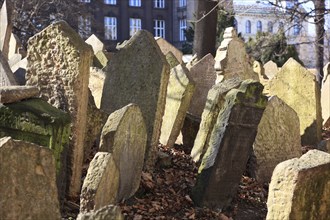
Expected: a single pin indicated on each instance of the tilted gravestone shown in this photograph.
(229, 146)
(142, 79)
(271, 69)
(180, 90)
(325, 95)
(7, 77)
(300, 188)
(96, 82)
(214, 102)
(124, 136)
(166, 47)
(101, 184)
(5, 27)
(58, 63)
(231, 59)
(277, 140)
(298, 88)
(36, 121)
(28, 181)
(172, 60)
(96, 43)
(204, 75)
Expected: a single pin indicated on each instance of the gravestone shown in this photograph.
(28, 181)
(124, 135)
(101, 59)
(298, 88)
(6, 27)
(101, 184)
(214, 102)
(166, 47)
(10, 94)
(14, 45)
(180, 90)
(271, 69)
(96, 82)
(300, 188)
(7, 77)
(172, 60)
(277, 140)
(259, 69)
(189, 131)
(110, 212)
(325, 95)
(204, 75)
(15, 58)
(19, 70)
(142, 79)
(231, 59)
(58, 63)
(229, 146)
(96, 43)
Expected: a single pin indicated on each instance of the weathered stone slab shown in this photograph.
(277, 140)
(6, 27)
(10, 94)
(166, 47)
(229, 146)
(231, 59)
(96, 82)
(180, 90)
(125, 136)
(204, 75)
(271, 69)
(172, 60)
(6, 75)
(101, 184)
(109, 212)
(15, 58)
(300, 188)
(96, 43)
(214, 102)
(325, 95)
(36, 121)
(101, 59)
(58, 63)
(19, 70)
(14, 45)
(28, 181)
(142, 79)
(189, 130)
(260, 70)
(298, 88)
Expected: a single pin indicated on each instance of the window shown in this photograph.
(159, 3)
(110, 2)
(134, 25)
(183, 27)
(135, 3)
(159, 27)
(259, 26)
(270, 27)
(182, 3)
(85, 1)
(84, 26)
(248, 27)
(110, 28)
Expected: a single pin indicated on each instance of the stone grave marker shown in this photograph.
(110, 212)
(124, 135)
(298, 88)
(142, 79)
(96, 43)
(28, 181)
(271, 69)
(325, 95)
(96, 82)
(172, 60)
(10, 94)
(58, 63)
(14, 45)
(6, 27)
(229, 146)
(166, 47)
(300, 188)
(204, 75)
(180, 90)
(7, 77)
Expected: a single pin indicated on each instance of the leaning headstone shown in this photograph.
(142, 79)
(172, 60)
(189, 130)
(125, 136)
(271, 69)
(110, 212)
(300, 188)
(58, 63)
(180, 90)
(259, 69)
(6, 27)
(101, 59)
(277, 140)
(28, 181)
(231, 59)
(166, 47)
(325, 96)
(214, 102)
(229, 146)
(298, 88)
(101, 184)
(19, 70)
(7, 77)
(204, 75)
(96, 82)
(96, 43)
(10, 94)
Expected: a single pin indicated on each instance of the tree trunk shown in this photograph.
(205, 29)
(319, 20)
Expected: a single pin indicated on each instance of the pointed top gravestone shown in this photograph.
(7, 77)
(166, 47)
(142, 79)
(271, 69)
(58, 63)
(5, 27)
(325, 95)
(96, 43)
(298, 88)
